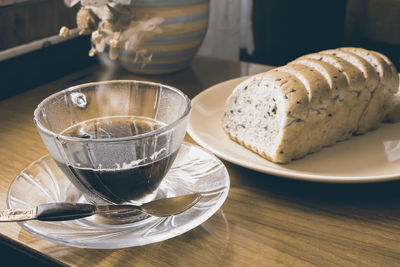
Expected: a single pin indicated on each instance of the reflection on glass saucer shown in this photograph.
(194, 170)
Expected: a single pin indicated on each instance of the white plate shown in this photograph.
(194, 170)
(372, 157)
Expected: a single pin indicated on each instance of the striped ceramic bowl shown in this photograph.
(183, 31)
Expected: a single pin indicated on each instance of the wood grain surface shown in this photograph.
(265, 221)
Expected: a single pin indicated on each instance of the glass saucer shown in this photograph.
(194, 170)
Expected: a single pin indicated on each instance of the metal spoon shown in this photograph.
(63, 211)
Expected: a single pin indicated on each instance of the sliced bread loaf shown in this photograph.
(310, 103)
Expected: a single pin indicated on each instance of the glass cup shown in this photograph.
(114, 140)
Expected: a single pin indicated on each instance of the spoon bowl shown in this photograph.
(159, 208)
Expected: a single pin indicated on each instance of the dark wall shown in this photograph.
(286, 29)
(29, 70)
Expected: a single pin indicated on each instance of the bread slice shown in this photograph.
(338, 108)
(394, 108)
(310, 103)
(389, 78)
(319, 92)
(354, 69)
(371, 112)
(265, 113)
(394, 79)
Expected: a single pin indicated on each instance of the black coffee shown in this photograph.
(122, 183)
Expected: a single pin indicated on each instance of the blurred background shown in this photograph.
(271, 32)
(275, 32)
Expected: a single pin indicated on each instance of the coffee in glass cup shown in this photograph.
(114, 140)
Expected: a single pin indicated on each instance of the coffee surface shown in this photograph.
(126, 181)
(113, 127)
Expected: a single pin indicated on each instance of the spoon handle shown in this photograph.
(64, 211)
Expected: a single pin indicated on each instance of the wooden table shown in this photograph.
(265, 220)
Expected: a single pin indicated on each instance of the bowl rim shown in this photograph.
(58, 136)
